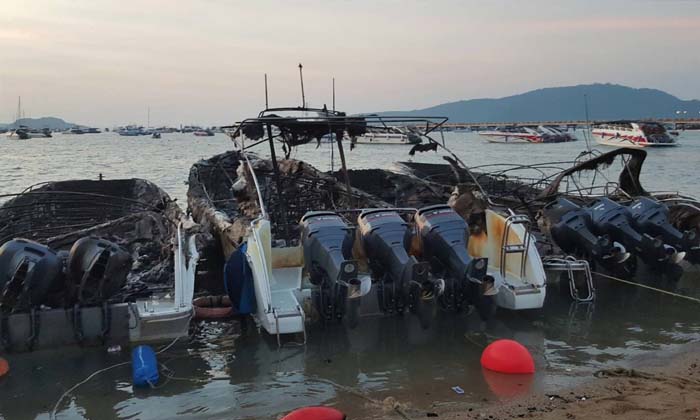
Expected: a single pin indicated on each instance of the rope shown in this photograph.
(74, 387)
(52, 415)
(696, 300)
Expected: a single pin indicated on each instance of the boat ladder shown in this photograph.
(299, 313)
(515, 248)
(570, 265)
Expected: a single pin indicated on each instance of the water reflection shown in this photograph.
(220, 375)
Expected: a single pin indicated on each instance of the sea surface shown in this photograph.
(167, 161)
(221, 375)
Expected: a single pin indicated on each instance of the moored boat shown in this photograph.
(83, 262)
(24, 133)
(525, 134)
(410, 251)
(203, 133)
(388, 136)
(634, 134)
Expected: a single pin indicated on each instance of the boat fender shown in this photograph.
(144, 366)
(315, 413)
(212, 307)
(507, 356)
(238, 282)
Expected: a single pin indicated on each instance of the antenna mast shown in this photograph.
(301, 77)
(334, 94)
(588, 123)
(267, 105)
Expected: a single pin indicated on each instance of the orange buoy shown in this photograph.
(315, 413)
(4, 367)
(212, 307)
(507, 356)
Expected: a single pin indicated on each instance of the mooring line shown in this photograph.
(696, 300)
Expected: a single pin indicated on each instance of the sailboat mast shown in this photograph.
(301, 77)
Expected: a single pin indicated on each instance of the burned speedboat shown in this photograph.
(312, 237)
(94, 261)
(582, 213)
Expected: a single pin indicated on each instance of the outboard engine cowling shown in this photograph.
(403, 281)
(29, 273)
(327, 241)
(571, 231)
(97, 269)
(444, 238)
(613, 219)
(652, 217)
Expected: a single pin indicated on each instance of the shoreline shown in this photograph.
(653, 386)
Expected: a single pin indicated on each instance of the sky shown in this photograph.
(106, 62)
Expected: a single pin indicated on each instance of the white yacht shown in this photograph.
(391, 135)
(523, 134)
(634, 134)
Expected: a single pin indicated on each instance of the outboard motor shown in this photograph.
(651, 217)
(611, 218)
(327, 242)
(29, 273)
(444, 238)
(571, 230)
(403, 281)
(97, 270)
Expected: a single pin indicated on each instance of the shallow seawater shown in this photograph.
(223, 375)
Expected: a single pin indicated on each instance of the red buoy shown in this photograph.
(4, 367)
(315, 413)
(507, 356)
(508, 385)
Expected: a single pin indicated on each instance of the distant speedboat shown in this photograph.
(203, 133)
(75, 130)
(156, 135)
(18, 134)
(634, 134)
(392, 135)
(24, 133)
(521, 134)
(131, 131)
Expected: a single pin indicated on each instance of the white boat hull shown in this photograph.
(511, 138)
(634, 142)
(380, 138)
(515, 291)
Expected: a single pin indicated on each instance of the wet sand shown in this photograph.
(659, 386)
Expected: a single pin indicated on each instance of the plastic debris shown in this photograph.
(144, 366)
(458, 390)
(114, 349)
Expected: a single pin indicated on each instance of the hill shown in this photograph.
(52, 123)
(605, 102)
